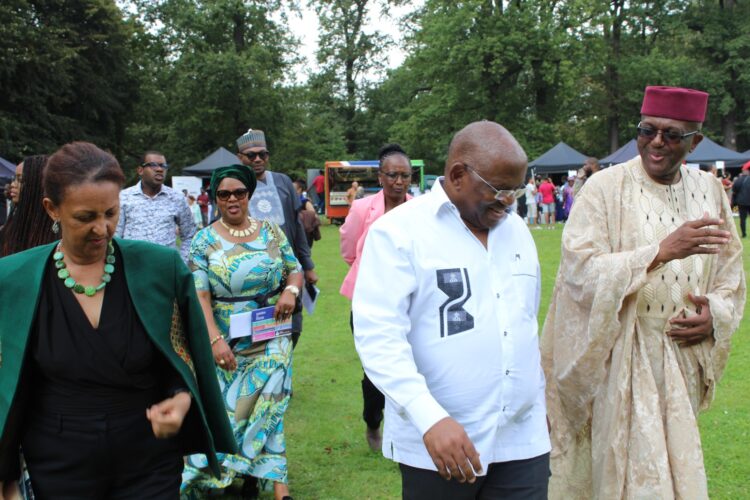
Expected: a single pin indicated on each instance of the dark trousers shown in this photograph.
(516, 480)
(744, 209)
(374, 401)
(100, 457)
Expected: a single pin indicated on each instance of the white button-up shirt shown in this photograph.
(447, 327)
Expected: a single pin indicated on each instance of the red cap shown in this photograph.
(746, 166)
(676, 103)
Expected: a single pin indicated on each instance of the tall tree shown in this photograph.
(66, 74)
(346, 48)
(502, 61)
(218, 69)
(721, 42)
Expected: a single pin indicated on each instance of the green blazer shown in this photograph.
(163, 293)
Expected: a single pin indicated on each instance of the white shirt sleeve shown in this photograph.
(381, 304)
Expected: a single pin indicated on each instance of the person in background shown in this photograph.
(307, 214)
(4, 200)
(8, 201)
(352, 193)
(394, 175)
(590, 167)
(195, 210)
(28, 225)
(305, 202)
(650, 290)
(203, 202)
(741, 196)
(319, 185)
(547, 190)
(727, 183)
(445, 323)
(240, 264)
(567, 195)
(531, 204)
(15, 184)
(276, 200)
(107, 368)
(151, 211)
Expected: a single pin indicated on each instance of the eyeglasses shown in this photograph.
(500, 194)
(668, 136)
(251, 155)
(239, 194)
(395, 175)
(154, 164)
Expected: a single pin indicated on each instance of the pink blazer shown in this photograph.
(362, 214)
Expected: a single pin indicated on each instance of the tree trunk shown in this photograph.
(613, 74)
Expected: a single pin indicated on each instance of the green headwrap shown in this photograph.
(242, 173)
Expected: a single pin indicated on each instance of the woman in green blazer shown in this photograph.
(106, 373)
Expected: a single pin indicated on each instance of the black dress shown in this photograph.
(87, 435)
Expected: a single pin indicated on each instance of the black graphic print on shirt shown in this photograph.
(453, 317)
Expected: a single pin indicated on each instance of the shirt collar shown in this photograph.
(439, 198)
(140, 190)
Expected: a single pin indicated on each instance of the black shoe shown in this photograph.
(250, 489)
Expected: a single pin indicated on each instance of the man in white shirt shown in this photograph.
(444, 311)
(531, 208)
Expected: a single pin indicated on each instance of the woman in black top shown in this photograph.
(108, 397)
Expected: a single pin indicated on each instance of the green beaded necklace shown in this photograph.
(90, 291)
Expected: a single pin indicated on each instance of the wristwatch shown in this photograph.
(293, 289)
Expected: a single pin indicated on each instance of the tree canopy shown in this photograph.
(187, 76)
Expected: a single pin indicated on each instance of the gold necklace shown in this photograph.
(241, 233)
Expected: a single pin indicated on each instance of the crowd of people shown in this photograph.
(544, 203)
(131, 368)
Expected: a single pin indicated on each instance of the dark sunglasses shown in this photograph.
(395, 175)
(154, 164)
(239, 194)
(668, 136)
(253, 154)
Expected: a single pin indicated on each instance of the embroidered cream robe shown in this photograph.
(622, 396)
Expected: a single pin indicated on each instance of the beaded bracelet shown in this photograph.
(215, 339)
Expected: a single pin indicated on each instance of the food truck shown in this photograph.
(339, 176)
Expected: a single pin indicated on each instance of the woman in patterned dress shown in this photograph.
(239, 265)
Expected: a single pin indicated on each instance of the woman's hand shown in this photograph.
(285, 306)
(167, 416)
(223, 355)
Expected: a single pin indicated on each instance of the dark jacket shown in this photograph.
(292, 226)
(163, 294)
(741, 191)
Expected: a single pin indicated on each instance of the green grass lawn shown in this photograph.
(328, 455)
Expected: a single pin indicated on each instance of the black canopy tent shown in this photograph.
(219, 158)
(625, 153)
(558, 160)
(7, 169)
(708, 152)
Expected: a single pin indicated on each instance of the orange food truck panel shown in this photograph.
(339, 176)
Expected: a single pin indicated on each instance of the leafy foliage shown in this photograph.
(188, 76)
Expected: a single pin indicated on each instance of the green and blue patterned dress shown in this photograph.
(257, 393)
